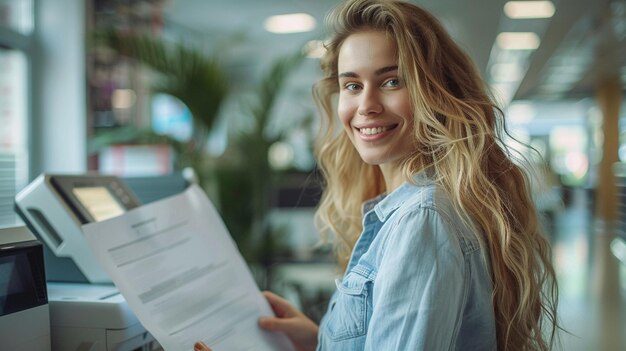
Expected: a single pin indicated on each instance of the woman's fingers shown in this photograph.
(276, 324)
(200, 346)
(301, 330)
(289, 320)
(282, 308)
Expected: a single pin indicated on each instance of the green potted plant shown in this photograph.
(196, 80)
(248, 182)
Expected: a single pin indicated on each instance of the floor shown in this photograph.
(592, 282)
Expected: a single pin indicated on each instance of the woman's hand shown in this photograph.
(200, 346)
(301, 330)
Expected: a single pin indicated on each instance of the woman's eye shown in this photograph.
(351, 86)
(394, 82)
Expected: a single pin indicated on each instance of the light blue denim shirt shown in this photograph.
(416, 280)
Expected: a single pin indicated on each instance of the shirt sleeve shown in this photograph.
(419, 291)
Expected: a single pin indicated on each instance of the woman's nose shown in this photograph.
(370, 103)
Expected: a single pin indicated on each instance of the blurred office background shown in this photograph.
(220, 90)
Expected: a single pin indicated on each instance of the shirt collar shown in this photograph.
(385, 204)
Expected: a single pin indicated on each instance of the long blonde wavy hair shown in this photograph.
(458, 130)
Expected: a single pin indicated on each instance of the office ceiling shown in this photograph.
(581, 45)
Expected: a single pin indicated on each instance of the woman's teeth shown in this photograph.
(372, 131)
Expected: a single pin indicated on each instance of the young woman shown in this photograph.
(433, 221)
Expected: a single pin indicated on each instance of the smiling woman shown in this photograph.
(374, 104)
(423, 139)
(434, 225)
(423, 163)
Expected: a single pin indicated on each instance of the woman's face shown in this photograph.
(374, 104)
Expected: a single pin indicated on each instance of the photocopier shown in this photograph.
(87, 312)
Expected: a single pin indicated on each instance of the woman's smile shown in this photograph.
(373, 133)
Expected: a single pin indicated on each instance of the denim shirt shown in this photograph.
(416, 280)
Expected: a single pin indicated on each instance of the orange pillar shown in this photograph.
(609, 98)
(605, 274)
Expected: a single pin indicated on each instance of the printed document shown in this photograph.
(181, 273)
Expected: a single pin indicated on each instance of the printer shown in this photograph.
(24, 313)
(87, 312)
(94, 317)
(56, 206)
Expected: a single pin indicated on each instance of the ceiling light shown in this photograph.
(518, 40)
(529, 9)
(291, 23)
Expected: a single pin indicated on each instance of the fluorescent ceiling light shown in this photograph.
(518, 40)
(529, 9)
(291, 23)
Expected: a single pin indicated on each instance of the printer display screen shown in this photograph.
(99, 202)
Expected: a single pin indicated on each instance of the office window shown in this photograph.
(16, 27)
(13, 140)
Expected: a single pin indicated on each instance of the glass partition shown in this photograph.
(13, 129)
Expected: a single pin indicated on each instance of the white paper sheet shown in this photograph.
(181, 273)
